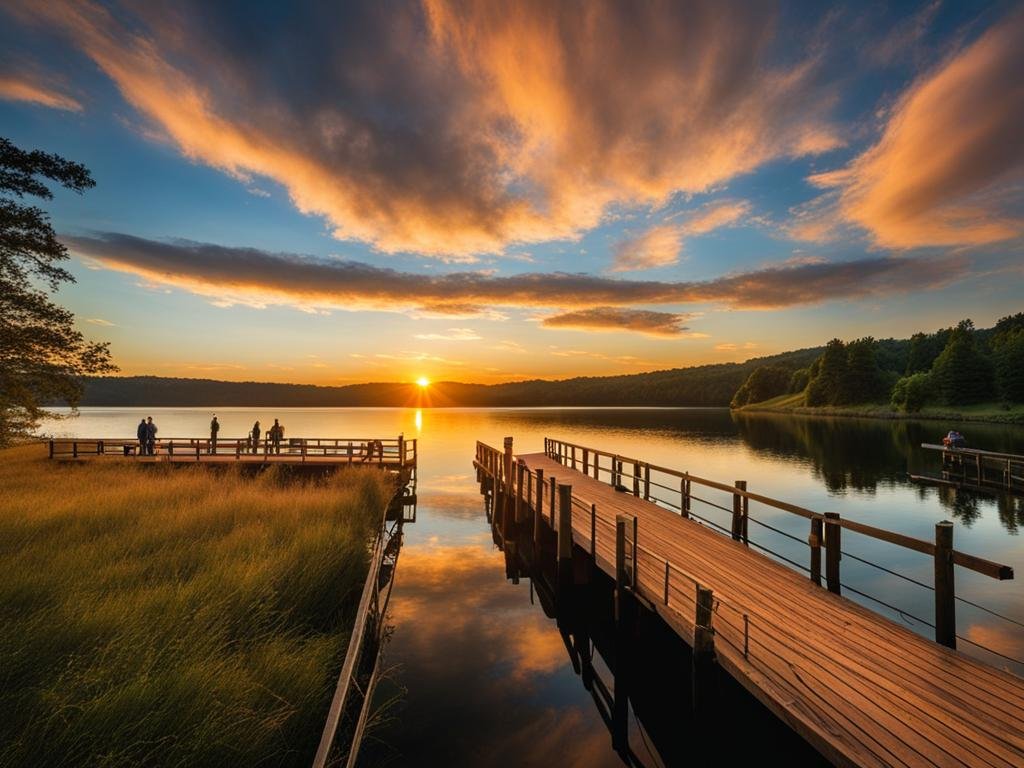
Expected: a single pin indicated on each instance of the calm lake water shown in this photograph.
(479, 674)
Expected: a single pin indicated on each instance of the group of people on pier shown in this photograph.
(147, 429)
(271, 439)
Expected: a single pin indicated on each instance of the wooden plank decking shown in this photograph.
(860, 688)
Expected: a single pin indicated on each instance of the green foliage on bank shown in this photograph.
(954, 367)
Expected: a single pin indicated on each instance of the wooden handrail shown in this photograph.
(556, 449)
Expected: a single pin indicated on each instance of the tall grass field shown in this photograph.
(172, 615)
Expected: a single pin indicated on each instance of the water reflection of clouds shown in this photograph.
(460, 626)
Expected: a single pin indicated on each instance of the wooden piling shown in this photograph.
(684, 492)
(647, 482)
(554, 501)
(636, 479)
(703, 657)
(945, 592)
(832, 554)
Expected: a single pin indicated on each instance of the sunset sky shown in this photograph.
(495, 191)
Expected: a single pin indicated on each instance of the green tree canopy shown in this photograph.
(764, 383)
(42, 355)
(963, 374)
(1008, 353)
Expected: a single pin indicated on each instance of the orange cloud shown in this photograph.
(452, 129)
(948, 167)
(660, 246)
(33, 88)
(666, 324)
(657, 247)
(715, 216)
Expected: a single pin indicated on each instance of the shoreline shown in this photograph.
(984, 414)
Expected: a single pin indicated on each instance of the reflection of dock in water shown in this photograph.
(858, 687)
(644, 697)
(977, 470)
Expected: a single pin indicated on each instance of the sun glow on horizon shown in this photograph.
(423, 382)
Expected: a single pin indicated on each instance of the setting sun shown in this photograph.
(423, 382)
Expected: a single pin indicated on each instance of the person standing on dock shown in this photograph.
(150, 437)
(256, 437)
(214, 429)
(275, 434)
(142, 432)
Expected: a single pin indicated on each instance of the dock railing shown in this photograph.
(356, 450)
(681, 492)
(983, 468)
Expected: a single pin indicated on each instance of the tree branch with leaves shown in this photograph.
(43, 357)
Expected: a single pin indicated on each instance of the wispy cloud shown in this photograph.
(453, 129)
(36, 88)
(99, 321)
(657, 247)
(661, 246)
(251, 277)
(948, 167)
(732, 346)
(668, 324)
(453, 334)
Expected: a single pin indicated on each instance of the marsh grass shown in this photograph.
(174, 615)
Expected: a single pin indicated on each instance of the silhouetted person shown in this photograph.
(150, 436)
(143, 434)
(256, 437)
(275, 434)
(214, 429)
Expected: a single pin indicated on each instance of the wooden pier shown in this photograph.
(858, 687)
(977, 469)
(390, 453)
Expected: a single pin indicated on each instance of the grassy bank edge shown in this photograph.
(995, 413)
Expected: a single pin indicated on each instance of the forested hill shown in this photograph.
(705, 385)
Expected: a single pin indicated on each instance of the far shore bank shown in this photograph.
(993, 413)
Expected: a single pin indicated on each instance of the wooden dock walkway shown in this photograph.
(390, 453)
(861, 689)
(982, 470)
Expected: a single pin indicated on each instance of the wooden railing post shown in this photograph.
(564, 523)
(74, 450)
(945, 592)
(520, 470)
(538, 512)
(621, 574)
(554, 501)
(51, 449)
(684, 490)
(703, 659)
(539, 508)
(737, 511)
(833, 541)
(597, 466)
(815, 543)
(636, 479)
(647, 482)
(401, 450)
(507, 466)
(574, 457)
(593, 532)
(586, 461)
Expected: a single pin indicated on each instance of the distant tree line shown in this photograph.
(705, 385)
(953, 366)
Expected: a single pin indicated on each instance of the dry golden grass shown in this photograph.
(173, 615)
